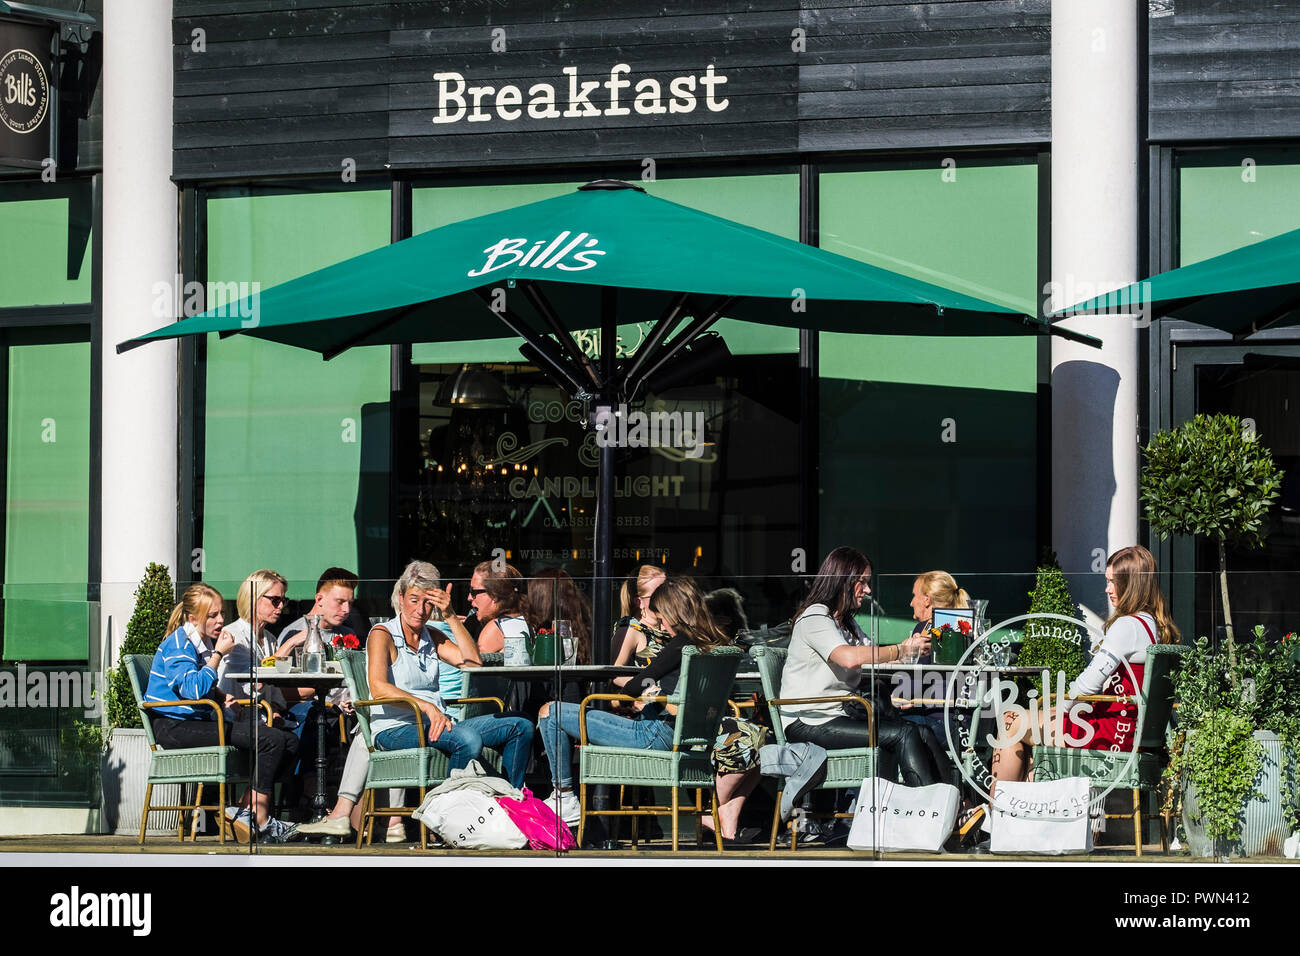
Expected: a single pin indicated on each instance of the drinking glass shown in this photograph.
(564, 631)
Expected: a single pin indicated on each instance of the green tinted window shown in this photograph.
(1222, 208)
(47, 512)
(295, 448)
(929, 444)
(44, 243)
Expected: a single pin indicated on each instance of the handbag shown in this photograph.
(471, 820)
(538, 823)
(735, 749)
(1049, 816)
(890, 817)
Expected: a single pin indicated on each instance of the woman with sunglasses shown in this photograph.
(499, 603)
(259, 601)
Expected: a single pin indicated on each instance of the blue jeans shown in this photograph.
(512, 736)
(559, 730)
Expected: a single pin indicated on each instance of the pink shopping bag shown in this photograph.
(538, 823)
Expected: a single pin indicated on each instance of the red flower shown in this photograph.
(964, 626)
(348, 642)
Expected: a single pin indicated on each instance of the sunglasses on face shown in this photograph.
(475, 592)
(276, 602)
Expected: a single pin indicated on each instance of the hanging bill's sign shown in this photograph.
(26, 93)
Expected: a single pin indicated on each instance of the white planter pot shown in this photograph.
(124, 772)
(1264, 829)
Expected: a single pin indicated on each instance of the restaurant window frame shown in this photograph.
(401, 185)
(58, 324)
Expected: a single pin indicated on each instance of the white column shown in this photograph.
(140, 233)
(1094, 249)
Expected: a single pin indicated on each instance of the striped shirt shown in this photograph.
(178, 672)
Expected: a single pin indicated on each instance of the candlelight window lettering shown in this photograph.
(617, 95)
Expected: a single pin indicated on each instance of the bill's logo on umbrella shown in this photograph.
(566, 251)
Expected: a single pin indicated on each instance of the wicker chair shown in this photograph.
(845, 769)
(701, 698)
(1144, 770)
(422, 767)
(222, 764)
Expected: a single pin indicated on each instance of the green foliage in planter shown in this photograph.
(1044, 645)
(1208, 477)
(1222, 759)
(154, 600)
(80, 744)
(1221, 703)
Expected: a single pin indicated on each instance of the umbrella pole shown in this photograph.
(602, 610)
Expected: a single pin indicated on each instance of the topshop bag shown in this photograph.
(471, 820)
(1050, 816)
(891, 817)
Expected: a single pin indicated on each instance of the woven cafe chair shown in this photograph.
(421, 767)
(702, 693)
(845, 769)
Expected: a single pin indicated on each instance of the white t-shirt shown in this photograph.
(1127, 640)
(242, 659)
(808, 671)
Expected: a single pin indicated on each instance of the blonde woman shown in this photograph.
(259, 602)
(931, 590)
(633, 641)
(185, 668)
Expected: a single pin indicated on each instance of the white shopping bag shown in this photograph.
(1050, 816)
(892, 817)
(470, 820)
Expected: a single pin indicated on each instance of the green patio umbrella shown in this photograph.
(605, 254)
(555, 258)
(1242, 291)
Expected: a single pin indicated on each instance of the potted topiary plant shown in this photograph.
(1212, 477)
(1234, 753)
(1043, 645)
(126, 761)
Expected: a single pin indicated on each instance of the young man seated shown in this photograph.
(335, 592)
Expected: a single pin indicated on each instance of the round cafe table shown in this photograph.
(321, 682)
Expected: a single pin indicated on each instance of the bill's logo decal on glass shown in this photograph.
(24, 91)
(566, 251)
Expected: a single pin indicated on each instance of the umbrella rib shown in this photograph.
(545, 349)
(667, 322)
(543, 307)
(347, 343)
(1277, 315)
(687, 334)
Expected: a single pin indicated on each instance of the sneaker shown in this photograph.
(566, 806)
(241, 822)
(277, 831)
(396, 833)
(329, 826)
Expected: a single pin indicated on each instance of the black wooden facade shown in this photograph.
(301, 87)
(1224, 70)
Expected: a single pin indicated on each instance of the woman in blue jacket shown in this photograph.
(185, 668)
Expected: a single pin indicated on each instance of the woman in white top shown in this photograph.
(261, 599)
(827, 654)
(1139, 619)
